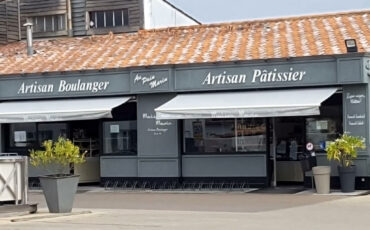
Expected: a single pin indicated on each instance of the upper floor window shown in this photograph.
(50, 23)
(108, 18)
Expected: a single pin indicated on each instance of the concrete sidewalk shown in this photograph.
(203, 211)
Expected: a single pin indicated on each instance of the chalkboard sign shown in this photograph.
(355, 120)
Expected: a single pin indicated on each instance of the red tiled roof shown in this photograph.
(259, 39)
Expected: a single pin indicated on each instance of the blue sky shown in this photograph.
(208, 11)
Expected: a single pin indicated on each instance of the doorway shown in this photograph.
(289, 134)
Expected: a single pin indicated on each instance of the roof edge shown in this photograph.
(256, 21)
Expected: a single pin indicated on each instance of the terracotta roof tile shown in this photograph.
(259, 39)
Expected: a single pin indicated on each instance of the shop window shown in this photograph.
(51, 131)
(85, 134)
(328, 126)
(108, 18)
(120, 137)
(225, 136)
(49, 23)
(23, 135)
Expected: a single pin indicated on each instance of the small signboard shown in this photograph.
(309, 146)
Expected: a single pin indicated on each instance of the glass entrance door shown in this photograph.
(290, 143)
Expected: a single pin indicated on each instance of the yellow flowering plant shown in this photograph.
(60, 154)
(344, 149)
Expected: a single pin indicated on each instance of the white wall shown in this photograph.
(160, 14)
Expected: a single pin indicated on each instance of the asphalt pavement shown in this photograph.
(99, 209)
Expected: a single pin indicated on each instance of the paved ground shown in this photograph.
(141, 210)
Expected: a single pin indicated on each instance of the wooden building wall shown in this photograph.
(78, 17)
(9, 21)
(13, 21)
(133, 6)
(3, 32)
(32, 8)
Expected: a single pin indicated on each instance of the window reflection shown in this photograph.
(23, 135)
(224, 135)
(120, 137)
(51, 131)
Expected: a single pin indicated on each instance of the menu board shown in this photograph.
(355, 119)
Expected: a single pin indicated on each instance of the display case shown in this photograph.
(89, 145)
(89, 171)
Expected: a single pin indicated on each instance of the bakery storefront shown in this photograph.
(244, 123)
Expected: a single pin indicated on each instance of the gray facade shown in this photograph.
(159, 142)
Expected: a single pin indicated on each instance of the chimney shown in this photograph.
(29, 38)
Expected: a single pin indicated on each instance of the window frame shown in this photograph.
(124, 14)
(55, 31)
(123, 153)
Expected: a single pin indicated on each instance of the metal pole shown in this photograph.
(274, 182)
(236, 134)
(25, 180)
(69, 18)
(19, 20)
(29, 38)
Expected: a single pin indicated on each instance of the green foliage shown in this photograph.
(60, 154)
(344, 149)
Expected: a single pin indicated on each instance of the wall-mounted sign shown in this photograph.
(114, 128)
(355, 117)
(309, 146)
(249, 76)
(20, 136)
(258, 76)
(160, 126)
(65, 86)
(150, 81)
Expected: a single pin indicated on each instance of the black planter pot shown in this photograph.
(347, 177)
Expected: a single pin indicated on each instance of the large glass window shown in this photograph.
(224, 135)
(51, 131)
(328, 126)
(120, 137)
(23, 135)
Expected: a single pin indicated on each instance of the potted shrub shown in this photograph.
(344, 151)
(60, 187)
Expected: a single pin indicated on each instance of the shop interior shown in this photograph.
(116, 136)
(255, 135)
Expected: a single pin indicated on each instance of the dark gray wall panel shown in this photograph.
(155, 138)
(158, 144)
(165, 167)
(224, 166)
(118, 166)
(362, 165)
(349, 70)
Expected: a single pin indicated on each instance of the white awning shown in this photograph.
(268, 103)
(59, 110)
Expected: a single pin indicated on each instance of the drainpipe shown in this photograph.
(19, 20)
(69, 16)
(29, 38)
